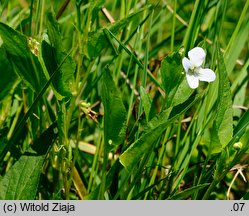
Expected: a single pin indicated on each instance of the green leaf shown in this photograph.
(25, 63)
(114, 110)
(223, 125)
(22, 179)
(171, 72)
(183, 195)
(183, 93)
(8, 77)
(52, 55)
(154, 128)
(97, 40)
(146, 102)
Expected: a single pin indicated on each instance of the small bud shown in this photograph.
(110, 142)
(237, 145)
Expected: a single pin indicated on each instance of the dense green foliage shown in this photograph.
(94, 102)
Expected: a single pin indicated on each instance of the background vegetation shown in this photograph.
(94, 102)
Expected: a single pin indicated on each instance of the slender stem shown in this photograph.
(41, 18)
(31, 17)
(173, 28)
(236, 31)
(144, 77)
(189, 38)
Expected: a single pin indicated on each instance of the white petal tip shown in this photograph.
(193, 81)
(206, 75)
(197, 56)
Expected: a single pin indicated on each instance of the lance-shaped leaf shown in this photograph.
(223, 125)
(114, 111)
(52, 55)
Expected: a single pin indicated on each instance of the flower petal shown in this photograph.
(186, 64)
(206, 75)
(196, 56)
(193, 81)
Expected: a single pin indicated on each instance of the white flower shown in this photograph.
(194, 71)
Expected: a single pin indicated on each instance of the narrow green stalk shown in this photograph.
(101, 194)
(31, 17)
(223, 16)
(144, 76)
(94, 167)
(41, 19)
(37, 15)
(122, 9)
(78, 15)
(132, 94)
(128, 6)
(177, 146)
(236, 31)
(192, 29)
(118, 67)
(173, 28)
(134, 83)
